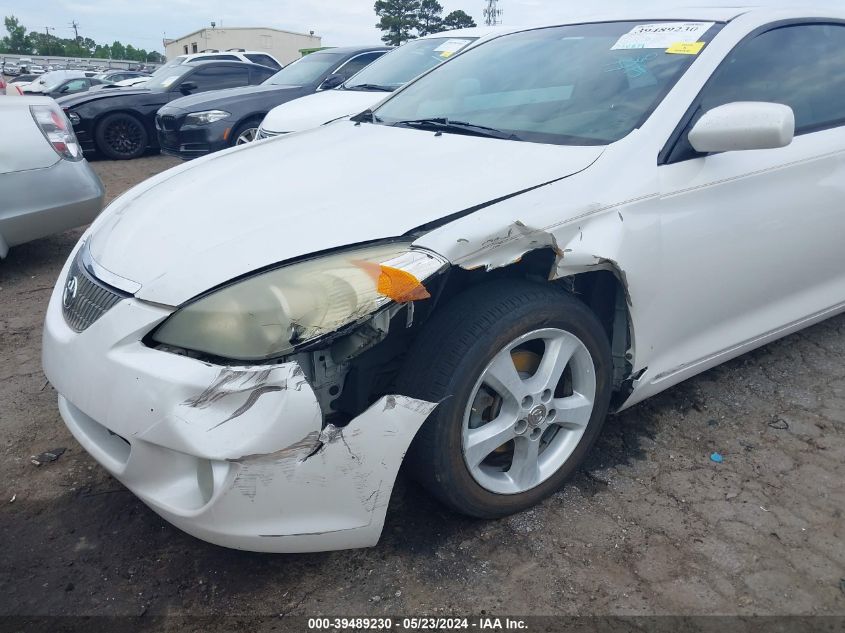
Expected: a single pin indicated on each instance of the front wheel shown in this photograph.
(246, 132)
(121, 137)
(523, 373)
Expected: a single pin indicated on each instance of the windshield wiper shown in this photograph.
(370, 88)
(443, 124)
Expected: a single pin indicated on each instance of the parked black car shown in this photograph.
(120, 122)
(200, 124)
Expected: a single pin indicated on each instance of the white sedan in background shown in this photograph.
(371, 85)
(555, 223)
(46, 186)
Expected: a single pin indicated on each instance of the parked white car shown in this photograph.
(51, 79)
(249, 57)
(371, 85)
(557, 222)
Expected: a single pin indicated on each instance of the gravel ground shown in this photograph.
(650, 526)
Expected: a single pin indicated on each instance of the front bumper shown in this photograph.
(191, 141)
(237, 456)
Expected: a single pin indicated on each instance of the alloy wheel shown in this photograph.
(528, 411)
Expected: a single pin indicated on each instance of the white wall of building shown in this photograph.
(283, 45)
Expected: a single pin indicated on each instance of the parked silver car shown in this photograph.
(46, 186)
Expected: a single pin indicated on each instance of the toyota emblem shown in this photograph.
(69, 295)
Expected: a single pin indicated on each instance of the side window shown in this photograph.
(356, 64)
(264, 60)
(221, 58)
(76, 85)
(219, 77)
(260, 75)
(802, 66)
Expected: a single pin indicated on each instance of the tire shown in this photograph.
(121, 137)
(452, 361)
(250, 125)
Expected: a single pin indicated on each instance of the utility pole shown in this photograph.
(47, 31)
(75, 26)
(492, 13)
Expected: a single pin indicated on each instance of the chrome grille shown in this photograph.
(84, 298)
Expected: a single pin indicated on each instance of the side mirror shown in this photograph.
(332, 81)
(187, 87)
(64, 89)
(743, 125)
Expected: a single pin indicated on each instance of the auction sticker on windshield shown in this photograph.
(662, 35)
(450, 47)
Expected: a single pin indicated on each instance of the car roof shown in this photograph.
(711, 12)
(225, 62)
(352, 50)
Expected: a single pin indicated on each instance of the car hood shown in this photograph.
(88, 96)
(201, 224)
(229, 96)
(319, 108)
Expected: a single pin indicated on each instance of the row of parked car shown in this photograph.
(28, 66)
(202, 103)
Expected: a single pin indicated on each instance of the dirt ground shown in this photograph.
(650, 526)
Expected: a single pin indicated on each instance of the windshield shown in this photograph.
(169, 66)
(585, 84)
(167, 79)
(305, 70)
(397, 68)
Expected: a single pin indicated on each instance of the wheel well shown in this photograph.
(603, 291)
(255, 116)
(360, 377)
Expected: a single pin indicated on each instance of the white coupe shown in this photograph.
(554, 223)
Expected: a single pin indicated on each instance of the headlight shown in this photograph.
(74, 118)
(204, 118)
(268, 315)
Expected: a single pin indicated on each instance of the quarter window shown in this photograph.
(219, 77)
(802, 66)
(264, 60)
(357, 64)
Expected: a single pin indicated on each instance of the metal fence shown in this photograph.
(41, 60)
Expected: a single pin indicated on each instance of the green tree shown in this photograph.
(17, 41)
(42, 44)
(458, 20)
(101, 52)
(155, 57)
(398, 18)
(118, 51)
(429, 17)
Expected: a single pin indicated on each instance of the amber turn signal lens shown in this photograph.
(400, 286)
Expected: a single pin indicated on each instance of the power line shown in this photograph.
(492, 13)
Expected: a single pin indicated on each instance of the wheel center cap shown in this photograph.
(537, 415)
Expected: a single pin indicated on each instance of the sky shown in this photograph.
(144, 23)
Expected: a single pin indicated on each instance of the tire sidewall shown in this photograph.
(103, 145)
(249, 123)
(452, 472)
